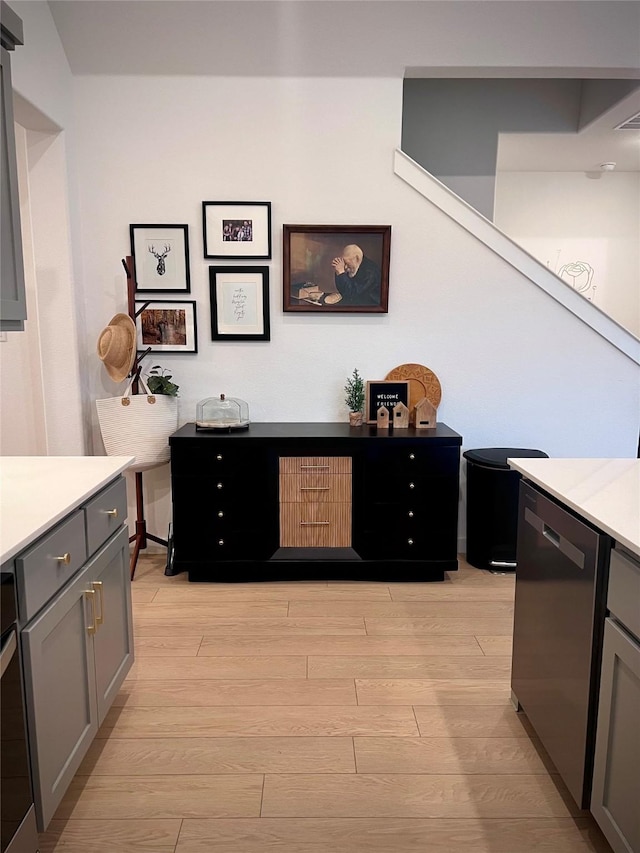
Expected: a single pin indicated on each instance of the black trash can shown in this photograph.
(492, 506)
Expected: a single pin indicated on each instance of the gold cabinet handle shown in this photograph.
(112, 512)
(311, 523)
(65, 559)
(314, 466)
(98, 586)
(314, 488)
(91, 595)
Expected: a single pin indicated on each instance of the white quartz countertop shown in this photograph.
(38, 491)
(604, 491)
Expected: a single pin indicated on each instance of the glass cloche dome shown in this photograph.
(222, 413)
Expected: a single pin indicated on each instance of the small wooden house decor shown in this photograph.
(382, 417)
(400, 416)
(425, 413)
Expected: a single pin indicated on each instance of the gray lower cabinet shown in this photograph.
(76, 654)
(615, 797)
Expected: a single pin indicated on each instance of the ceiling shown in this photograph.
(585, 151)
(370, 38)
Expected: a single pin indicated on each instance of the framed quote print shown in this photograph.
(239, 303)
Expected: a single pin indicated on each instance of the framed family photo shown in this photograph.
(237, 230)
(167, 326)
(336, 268)
(239, 303)
(161, 258)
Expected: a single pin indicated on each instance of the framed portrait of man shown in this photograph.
(336, 268)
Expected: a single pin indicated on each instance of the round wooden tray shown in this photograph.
(422, 383)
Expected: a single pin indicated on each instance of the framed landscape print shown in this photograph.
(161, 258)
(239, 303)
(237, 230)
(166, 326)
(336, 268)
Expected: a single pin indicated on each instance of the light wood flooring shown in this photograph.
(311, 717)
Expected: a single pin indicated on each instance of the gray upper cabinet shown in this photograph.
(13, 306)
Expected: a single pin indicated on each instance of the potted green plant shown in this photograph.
(159, 381)
(355, 398)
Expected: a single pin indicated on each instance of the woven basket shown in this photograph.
(138, 425)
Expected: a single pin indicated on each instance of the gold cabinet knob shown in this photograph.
(112, 512)
(65, 559)
(219, 457)
(221, 514)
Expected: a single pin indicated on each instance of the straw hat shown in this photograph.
(117, 346)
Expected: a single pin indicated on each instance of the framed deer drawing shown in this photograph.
(161, 258)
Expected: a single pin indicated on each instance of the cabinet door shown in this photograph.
(113, 640)
(616, 775)
(60, 687)
(13, 308)
(409, 504)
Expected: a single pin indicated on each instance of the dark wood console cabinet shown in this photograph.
(400, 507)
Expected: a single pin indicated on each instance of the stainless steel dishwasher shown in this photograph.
(559, 615)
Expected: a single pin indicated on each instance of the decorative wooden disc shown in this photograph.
(422, 383)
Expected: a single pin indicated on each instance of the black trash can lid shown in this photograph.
(496, 457)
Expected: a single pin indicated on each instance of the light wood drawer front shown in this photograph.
(105, 513)
(321, 525)
(315, 488)
(45, 568)
(624, 590)
(315, 464)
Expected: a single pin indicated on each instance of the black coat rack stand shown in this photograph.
(141, 535)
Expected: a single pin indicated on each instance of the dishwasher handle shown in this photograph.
(556, 539)
(550, 534)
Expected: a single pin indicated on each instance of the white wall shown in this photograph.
(321, 150)
(22, 413)
(563, 217)
(44, 362)
(498, 344)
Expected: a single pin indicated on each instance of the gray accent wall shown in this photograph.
(451, 126)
